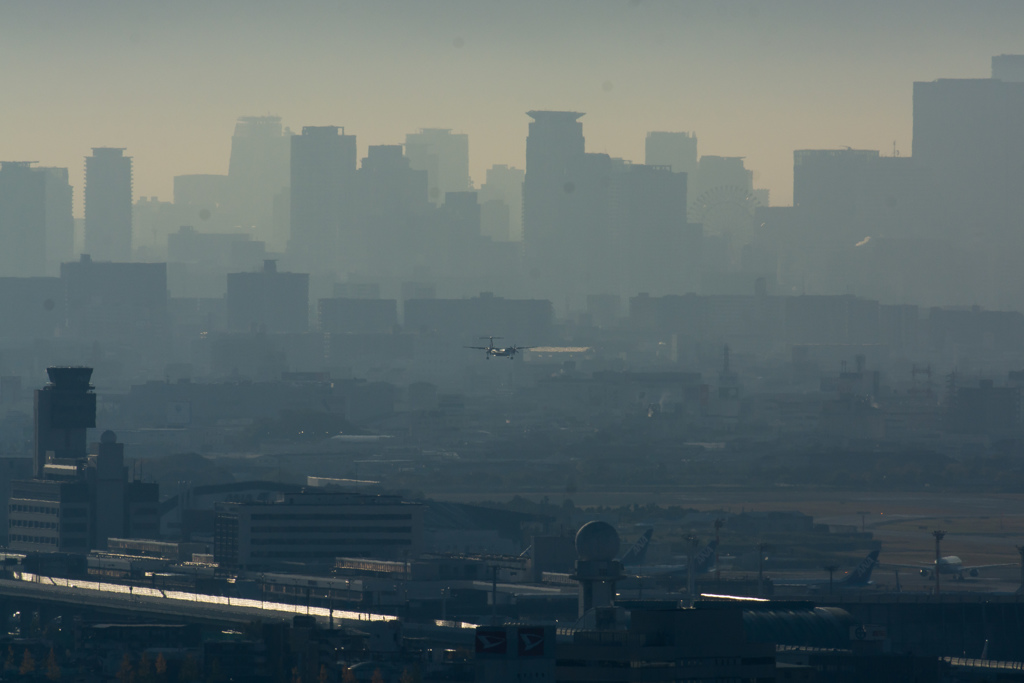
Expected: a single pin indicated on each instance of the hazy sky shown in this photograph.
(756, 79)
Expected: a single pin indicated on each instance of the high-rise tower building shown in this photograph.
(108, 205)
(678, 150)
(22, 219)
(551, 208)
(60, 222)
(323, 168)
(258, 173)
(444, 156)
(501, 202)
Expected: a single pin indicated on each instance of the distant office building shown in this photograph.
(1008, 68)
(116, 302)
(719, 172)
(323, 167)
(656, 249)
(11, 469)
(444, 156)
(357, 316)
(258, 172)
(108, 205)
(315, 528)
(202, 200)
(237, 250)
(22, 219)
(552, 230)
(529, 319)
(32, 308)
(501, 203)
(356, 290)
(966, 134)
(60, 223)
(152, 221)
(394, 217)
(268, 300)
(675, 150)
(846, 195)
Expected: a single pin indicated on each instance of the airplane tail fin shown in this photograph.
(861, 574)
(637, 555)
(705, 559)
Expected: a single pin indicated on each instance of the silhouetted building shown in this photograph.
(357, 316)
(64, 409)
(76, 500)
(32, 308)
(501, 203)
(258, 173)
(1008, 68)
(23, 205)
(444, 156)
(657, 250)
(461, 318)
(394, 216)
(315, 528)
(268, 300)
(323, 167)
(60, 223)
(676, 150)
(966, 135)
(124, 303)
(555, 150)
(985, 409)
(108, 205)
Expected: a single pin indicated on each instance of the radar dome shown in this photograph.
(108, 437)
(597, 541)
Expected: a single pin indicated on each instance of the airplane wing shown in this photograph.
(990, 566)
(482, 348)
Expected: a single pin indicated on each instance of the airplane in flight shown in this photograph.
(858, 577)
(492, 350)
(951, 565)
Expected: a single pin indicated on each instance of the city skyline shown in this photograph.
(750, 81)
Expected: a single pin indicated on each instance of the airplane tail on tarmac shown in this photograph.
(637, 555)
(861, 574)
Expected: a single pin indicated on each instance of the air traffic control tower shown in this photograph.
(597, 570)
(65, 408)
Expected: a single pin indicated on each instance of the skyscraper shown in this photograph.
(108, 205)
(501, 201)
(678, 150)
(257, 173)
(323, 167)
(554, 167)
(444, 156)
(60, 222)
(22, 219)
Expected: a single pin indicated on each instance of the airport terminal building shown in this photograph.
(314, 528)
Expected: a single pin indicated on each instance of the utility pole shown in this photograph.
(863, 514)
(762, 548)
(831, 570)
(691, 553)
(939, 535)
(718, 527)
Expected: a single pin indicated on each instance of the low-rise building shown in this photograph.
(314, 528)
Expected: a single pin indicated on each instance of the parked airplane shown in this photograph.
(636, 557)
(638, 553)
(492, 350)
(953, 566)
(858, 577)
